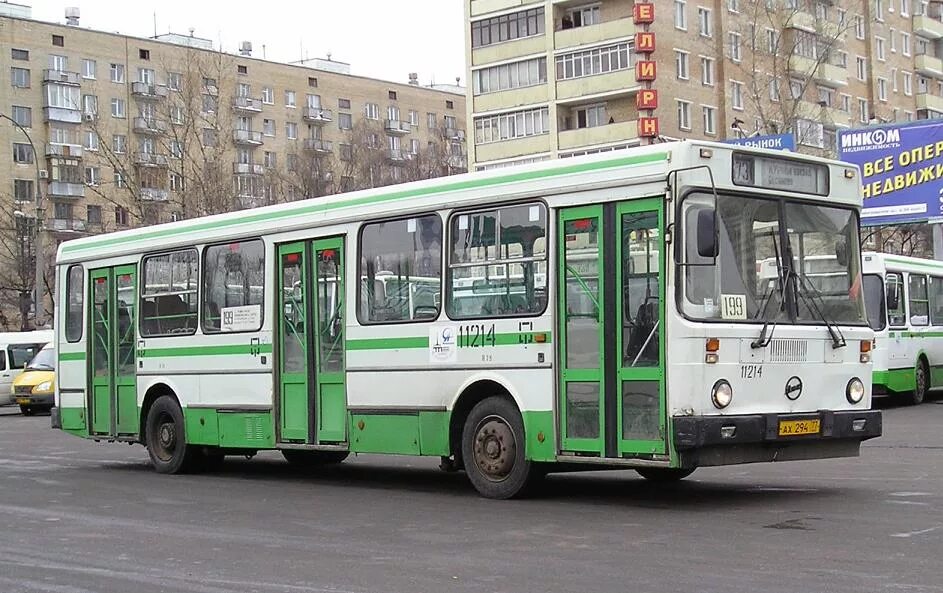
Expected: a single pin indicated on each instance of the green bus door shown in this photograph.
(611, 295)
(113, 385)
(312, 390)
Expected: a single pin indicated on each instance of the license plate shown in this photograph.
(22, 400)
(788, 428)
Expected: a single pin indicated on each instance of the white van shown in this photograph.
(16, 350)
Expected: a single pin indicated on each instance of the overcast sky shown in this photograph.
(380, 38)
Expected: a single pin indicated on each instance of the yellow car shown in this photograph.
(35, 388)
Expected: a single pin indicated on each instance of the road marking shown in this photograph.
(913, 533)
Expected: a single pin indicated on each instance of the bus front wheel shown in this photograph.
(493, 450)
(166, 438)
(664, 474)
(921, 383)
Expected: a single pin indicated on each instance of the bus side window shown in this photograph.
(919, 304)
(936, 300)
(895, 300)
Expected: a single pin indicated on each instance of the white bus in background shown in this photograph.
(605, 310)
(904, 299)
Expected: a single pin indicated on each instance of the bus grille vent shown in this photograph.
(784, 350)
(254, 429)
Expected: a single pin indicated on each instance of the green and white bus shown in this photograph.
(904, 298)
(536, 338)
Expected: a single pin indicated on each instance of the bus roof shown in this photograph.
(530, 180)
(874, 262)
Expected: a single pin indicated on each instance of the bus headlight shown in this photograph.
(854, 391)
(721, 394)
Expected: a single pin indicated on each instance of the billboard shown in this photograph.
(901, 170)
(776, 142)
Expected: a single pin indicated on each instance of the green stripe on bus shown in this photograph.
(320, 206)
(63, 356)
(908, 334)
(207, 350)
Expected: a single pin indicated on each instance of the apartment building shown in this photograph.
(555, 78)
(120, 131)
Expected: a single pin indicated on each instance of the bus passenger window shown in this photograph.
(169, 293)
(895, 300)
(919, 303)
(233, 286)
(75, 291)
(498, 263)
(936, 301)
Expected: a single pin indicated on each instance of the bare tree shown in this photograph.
(915, 240)
(17, 266)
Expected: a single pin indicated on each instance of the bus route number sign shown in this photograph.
(733, 306)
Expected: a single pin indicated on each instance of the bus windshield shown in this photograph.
(750, 277)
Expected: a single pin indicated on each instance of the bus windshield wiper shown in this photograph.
(838, 338)
(763, 340)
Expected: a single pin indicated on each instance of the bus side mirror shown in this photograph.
(706, 233)
(841, 253)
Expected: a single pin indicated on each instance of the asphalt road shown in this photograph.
(81, 517)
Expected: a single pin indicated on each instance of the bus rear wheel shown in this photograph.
(664, 474)
(921, 383)
(301, 458)
(493, 450)
(166, 438)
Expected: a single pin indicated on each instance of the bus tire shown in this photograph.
(166, 438)
(664, 474)
(921, 383)
(300, 458)
(493, 450)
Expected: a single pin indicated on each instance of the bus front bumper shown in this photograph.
(726, 440)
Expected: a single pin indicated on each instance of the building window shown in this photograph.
(89, 68)
(268, 127)
(240, 69)
(591, 116)
(169, 293)
(268, 95)
(892, 39)
(22, 190)
(583, 16)
(58, 40)
(289, 98)
(684, 115)
(736, 53)
(62, 211)
(343, 103)
(845, 104)
(174, 80)
(122, 216)
(507, 27)
(908, 82)
(681, 15)
(414, 118)
(291, 130)
(410, 249)
(392, 95)
(19, 78)
(176, 182)
(93, 176)
(491, 252)
(516, 124)
(117, 72)
(704, 25)
(905, 43)
(681, 64)
(432, 121)
(863, 111)
(881, 50)
(23, 116)
(345, 121)
(91, 141)
(233, 277)
(882, 89)
(312, 82)
(710, 115)
(595, 61)
(510, 76)
(861, 67)
(268, 159)
(117, 108)
(22, 153)
(346, 152)
(20, 54)
(904, 8)
(93, 214)
(371, 111)
(733, 5)
(772, 42)
(210, 103)
(119, 143)
(144, 54)
(796, 90)
(859, 27)
(449, 104)
(707, 71)
(736, 95)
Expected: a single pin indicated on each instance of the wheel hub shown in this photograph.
(495, 448)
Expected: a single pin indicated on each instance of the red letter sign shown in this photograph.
(646, 99)
(648, 127)
(644, 14)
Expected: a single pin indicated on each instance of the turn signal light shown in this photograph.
(865, 346)
(713, 344)
(540, 338)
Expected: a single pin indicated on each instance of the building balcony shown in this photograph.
(395, 127)
(247, 169)
(318, 146)
(501, 51)
(928, 27)
(507, 149)
(823, 72)
(510, 98)
(61, 77)
(150, 159)
(70, 151)
(616, 83)
(62, 115)
(807, 21)
(65, 189)
(929, 65)
(577, 36)
(149, 125)
(65, 225)
(316, 115)
(144, 90)
(453, 134)
(931, 102)
(153, 194)
(247, 104)
(607, 134)
(247, 137)
(397, 156)
(457, 161)
(830, 117)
